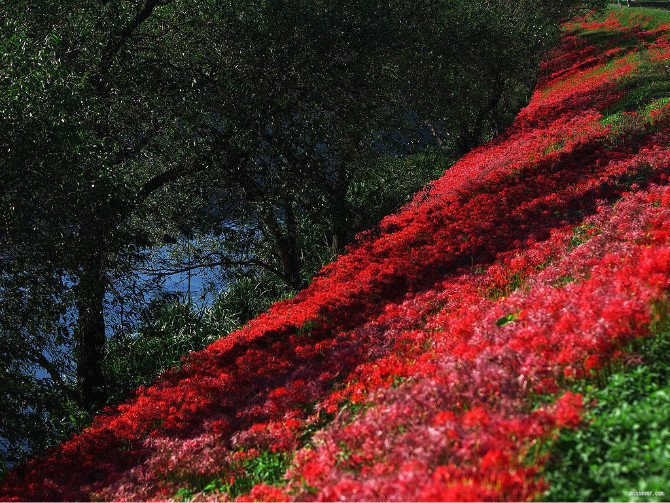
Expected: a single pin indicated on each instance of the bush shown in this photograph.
(170, 328)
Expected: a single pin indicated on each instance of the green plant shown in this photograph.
(582, 234)
(170, 328)
(624, 451)
(507, 319)
(266, 468)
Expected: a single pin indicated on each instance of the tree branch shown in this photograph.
(133, 150)
(222, 262)
(180, 171)
(54, 374)
(166, 177)
(117, 41)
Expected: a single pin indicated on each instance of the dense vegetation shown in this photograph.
(452, 351)
(255, 139)
(623, 452)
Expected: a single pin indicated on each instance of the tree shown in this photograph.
(313, 94)
(255, 127)
(96, 125)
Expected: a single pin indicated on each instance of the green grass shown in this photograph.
(649, 85)
(268, 468)
(647, 17)
(581, 234)
(623, 454)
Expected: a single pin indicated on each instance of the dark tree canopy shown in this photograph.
(266, 133)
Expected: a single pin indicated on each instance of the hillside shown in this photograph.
(437, 359)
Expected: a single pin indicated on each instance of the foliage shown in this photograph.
(383, 187)
(315, 148)
(171, 328)
(95, 123)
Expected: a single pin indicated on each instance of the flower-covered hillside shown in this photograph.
(433, 360)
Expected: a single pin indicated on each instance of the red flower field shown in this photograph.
(411, 367)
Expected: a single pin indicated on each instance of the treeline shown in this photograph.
(264, 134)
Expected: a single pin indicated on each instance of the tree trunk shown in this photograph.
(287, 245)
(290, 264)
(339, 233)
(91, 332)
(338, 212)
(471, 136)
(290, 250)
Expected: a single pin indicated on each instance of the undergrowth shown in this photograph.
(623, 451)
(267, 468)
